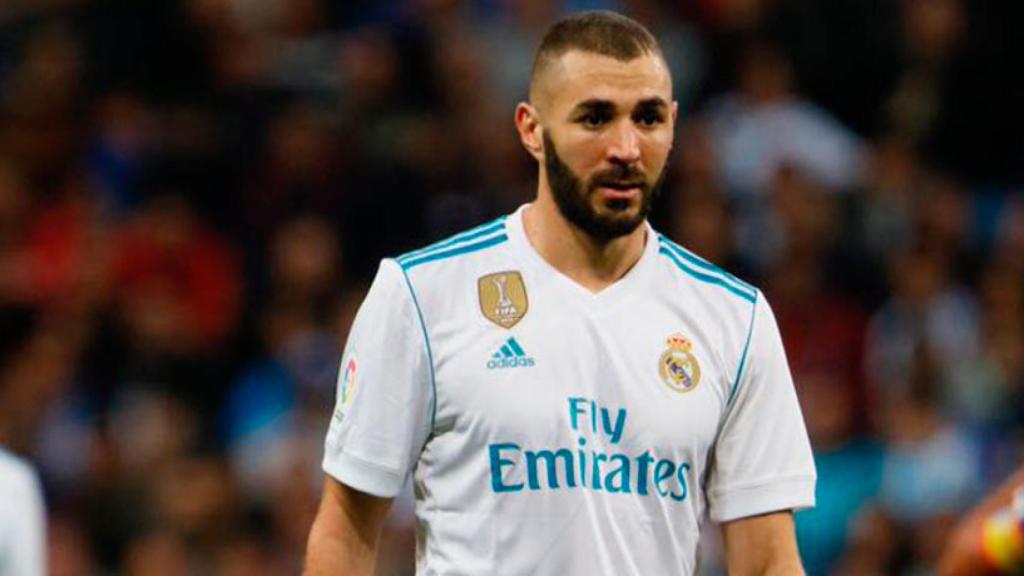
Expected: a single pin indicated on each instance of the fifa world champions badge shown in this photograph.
(503, 298)
(678, 367)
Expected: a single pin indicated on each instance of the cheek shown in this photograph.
(655, 153)
(583, 156)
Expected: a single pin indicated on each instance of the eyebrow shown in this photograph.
(592, 105)
(598, 105)
(655, 103)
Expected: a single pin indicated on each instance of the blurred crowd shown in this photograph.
(194, 195)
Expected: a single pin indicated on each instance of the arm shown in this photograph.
(346, 532)
(382, 417)
(762, 545)
(966, 552)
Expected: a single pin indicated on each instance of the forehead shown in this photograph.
(578, 76)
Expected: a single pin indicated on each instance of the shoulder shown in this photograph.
(455, 256)
(715, 285)
(17, 477)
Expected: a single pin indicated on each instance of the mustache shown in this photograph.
(620, 176)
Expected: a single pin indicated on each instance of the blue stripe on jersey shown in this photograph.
(711, 279)
(506, 352)
(471, 234)
(459, 250)
(698, 261)
(515, 347)
(430, 354)
(743, 358)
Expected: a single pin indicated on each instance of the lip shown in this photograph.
(619, 193)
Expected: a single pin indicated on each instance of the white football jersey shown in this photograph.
(22, 519)
(551, 430)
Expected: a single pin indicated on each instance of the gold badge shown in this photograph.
(678, 366)
(503, 298)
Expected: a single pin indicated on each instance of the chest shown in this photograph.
(645, 376)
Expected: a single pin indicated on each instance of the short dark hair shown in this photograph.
(600, 32)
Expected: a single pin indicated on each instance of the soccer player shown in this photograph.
(569, 390)
(22, 519)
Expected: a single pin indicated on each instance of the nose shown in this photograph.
(624, 144)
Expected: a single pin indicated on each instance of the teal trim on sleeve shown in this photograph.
(702, 263)
(426, 344)
(709, 278)
(743, 358)
(463, 249)
(462, 237)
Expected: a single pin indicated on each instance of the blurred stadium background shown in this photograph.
(195, 193)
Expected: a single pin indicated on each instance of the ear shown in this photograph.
(530, 130)
(675, 111)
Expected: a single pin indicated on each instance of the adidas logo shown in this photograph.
(510, 355)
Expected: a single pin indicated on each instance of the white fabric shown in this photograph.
(635, 463)
(753, 142)
(22, 519)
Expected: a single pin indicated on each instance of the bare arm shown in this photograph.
(346, 532)
(964, 553)
(762, 546)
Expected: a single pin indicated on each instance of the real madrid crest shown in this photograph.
(678, 367)
(503, 298)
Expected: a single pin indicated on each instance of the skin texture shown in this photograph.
(762, 546)
(346, 533)
(598, 112)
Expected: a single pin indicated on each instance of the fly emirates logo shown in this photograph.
(583, 467)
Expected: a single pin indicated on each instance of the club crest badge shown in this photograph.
(503, 298)
(678, 367)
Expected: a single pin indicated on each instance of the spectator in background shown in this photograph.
(928, 308)
(700, 218)
(932, 29)
(892, 179)
(764, 125)
(929, 477)
(823, 332)
(849, 464)
(270, 408)
(176, 301)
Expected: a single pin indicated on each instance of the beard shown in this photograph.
(575, 198)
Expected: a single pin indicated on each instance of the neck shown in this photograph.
(593, 264)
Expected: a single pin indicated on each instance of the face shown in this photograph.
(606, 131)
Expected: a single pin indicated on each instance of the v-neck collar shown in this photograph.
(542, 271)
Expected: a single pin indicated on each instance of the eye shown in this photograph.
(594, 119)
(648, 118)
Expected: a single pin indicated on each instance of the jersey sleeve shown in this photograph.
(762, 461)
(22, 546)
(384, 401)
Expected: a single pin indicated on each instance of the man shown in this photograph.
(570, 390)
(22, 519)
(22, 509)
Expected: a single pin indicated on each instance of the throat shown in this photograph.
(595, 265)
